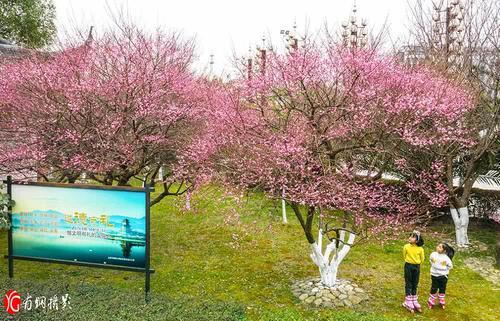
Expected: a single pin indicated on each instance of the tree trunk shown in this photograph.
(329, 261)
(188, 200)
(307, 223)
(124, 180)
(160, 173)
(283, 206)
(107, 179)
(461, 220)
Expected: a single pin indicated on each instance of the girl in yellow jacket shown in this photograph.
(413, 253)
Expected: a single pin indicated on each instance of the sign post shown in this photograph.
(86, 225)
(148, 272)
(9, 233)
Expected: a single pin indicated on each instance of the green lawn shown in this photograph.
(238, 261)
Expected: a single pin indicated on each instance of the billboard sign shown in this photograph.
(105, 226)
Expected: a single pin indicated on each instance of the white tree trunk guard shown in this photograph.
(188, 200)
(160, 174)
(329, 261)
(283, 206)
(461, 220)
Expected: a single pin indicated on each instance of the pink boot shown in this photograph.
(408, 304)
(432, 301)
(442, 302)
(416, 305)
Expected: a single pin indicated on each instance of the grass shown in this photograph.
(93, 302)
(239, 253)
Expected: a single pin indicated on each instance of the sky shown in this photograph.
(224, 27)
(93, 202)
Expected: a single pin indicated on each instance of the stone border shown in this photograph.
(344, 293)
(485, 267)
(474, 246)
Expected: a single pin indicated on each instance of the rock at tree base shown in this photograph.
(343, 294)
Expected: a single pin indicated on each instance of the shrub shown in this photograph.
(4, 204)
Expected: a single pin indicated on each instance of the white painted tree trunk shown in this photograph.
(328, 261)
(160, 174)
(283, 206)
(188, 200)
(461, 220)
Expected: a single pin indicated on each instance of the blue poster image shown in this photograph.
(105, 226)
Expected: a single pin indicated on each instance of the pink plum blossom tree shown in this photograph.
(322, 124)
(117, 107)
(467, 53)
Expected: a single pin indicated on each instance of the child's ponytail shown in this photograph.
(449, 250)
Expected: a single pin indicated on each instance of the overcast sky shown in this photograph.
(221, 26)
